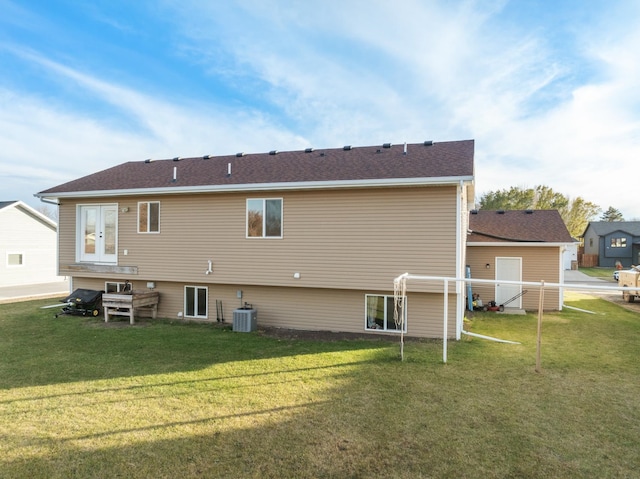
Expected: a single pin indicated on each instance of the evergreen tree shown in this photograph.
(612, 214)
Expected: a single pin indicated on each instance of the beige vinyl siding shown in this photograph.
(344, 243)
(538, 264)
(348, 239)
(301, 308)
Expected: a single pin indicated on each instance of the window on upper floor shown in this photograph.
(379, 313)
(149, 217)
(618, 242)
(264, 218)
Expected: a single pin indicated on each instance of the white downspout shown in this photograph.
(460, 259)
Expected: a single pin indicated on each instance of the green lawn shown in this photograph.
(163, 400)
(606, 273)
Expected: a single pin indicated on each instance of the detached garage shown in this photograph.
(517, 246)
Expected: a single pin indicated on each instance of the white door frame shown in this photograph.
(99, 221)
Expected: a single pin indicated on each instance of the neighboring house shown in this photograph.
(311, 239)
(613, 241)
(517, 246)
(28, 248)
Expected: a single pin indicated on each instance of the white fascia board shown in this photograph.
(306, 185)
(516, 243)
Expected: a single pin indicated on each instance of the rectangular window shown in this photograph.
(379, 313)
(149, 217)
(195, 302)
(15, 259)
(113, 287)
(264, 218)
(618, 242)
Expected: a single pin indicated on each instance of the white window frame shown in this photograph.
(119, 287)
(15, 253)
(387, 315)
(264, 218)
(196, 305)
(618, 242)
(148, 206)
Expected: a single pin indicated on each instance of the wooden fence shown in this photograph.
(587, 260)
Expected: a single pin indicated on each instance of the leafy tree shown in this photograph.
(612, 214)
(576, 212)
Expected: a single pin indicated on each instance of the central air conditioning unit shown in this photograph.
(245, 319)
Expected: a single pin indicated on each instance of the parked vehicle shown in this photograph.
(630, 278)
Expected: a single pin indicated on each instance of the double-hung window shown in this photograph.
(149, 217)
(379, 313)
(264, 218)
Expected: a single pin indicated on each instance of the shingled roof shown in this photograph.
(528, 226)
(421, 163)
(603, 228)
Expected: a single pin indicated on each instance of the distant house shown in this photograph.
(28, 252)
(312, 239)
(613, 241)
(517, 246)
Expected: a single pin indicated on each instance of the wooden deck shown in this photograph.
(127, 304)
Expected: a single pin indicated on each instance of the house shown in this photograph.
(310, 239)
(517, 246)
(613, 242)
(28, 247)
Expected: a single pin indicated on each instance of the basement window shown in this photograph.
(379, 313)
(264, 218)
(115, 287)
(149, 217)
(195, 301)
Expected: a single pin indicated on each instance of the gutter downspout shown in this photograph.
(460, 259)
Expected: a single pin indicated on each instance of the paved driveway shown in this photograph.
(11, 294)
(578, 278)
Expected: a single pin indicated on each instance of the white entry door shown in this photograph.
(508, 269)
(98, 233)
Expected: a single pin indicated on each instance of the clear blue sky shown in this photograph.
(550, 90)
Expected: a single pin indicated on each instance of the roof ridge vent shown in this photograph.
(528, 211)
(308, 150)
(347, 147)
(177, 158)
(149, 160)
(386, 145)
(474, 212)
(273, 152)
(241, 154)
(428, 143)
(206, 157)
(500, 212)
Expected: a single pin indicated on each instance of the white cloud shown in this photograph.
(329, 73)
